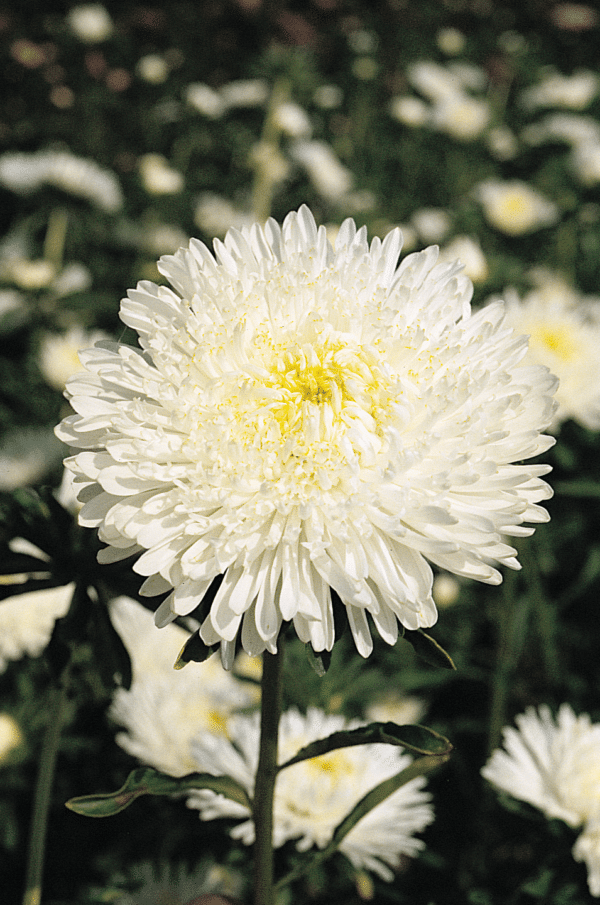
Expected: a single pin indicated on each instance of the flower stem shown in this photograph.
(43, 795)
(266, 774)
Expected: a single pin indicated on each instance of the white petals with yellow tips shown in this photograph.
(305, 417)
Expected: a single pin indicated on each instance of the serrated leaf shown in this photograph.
(416, 739)
(429, 650)
(145, 781)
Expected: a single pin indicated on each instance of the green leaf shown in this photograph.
(194, 650)
(416, 739)
(320, 661)
(429, 650)
(374, 797)
(145, 781)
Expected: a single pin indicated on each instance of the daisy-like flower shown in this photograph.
(27, 621)
(164, 708)
(312, 797)
(564, 333)
(303, 417)
(553, 765)
(515, 208)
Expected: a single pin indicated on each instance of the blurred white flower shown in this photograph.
(574, 92)
(435, 81)
(325, 170)
(153, 68)
(313, 796)
(244, 93)
(450, 41)
(397, 708)
(552, 763)
(27, 620)
(205, 100)
(564, 335)
(287, 478)
(293, 120)
(585, 162)
(10, 734)
(158, 177)
(166, 707)
(90, 22)
(502, 142)
(468, 251)
(411, 111)
(58, 357)
(568, 127)
(514, 208)
(432, 224)
(461, 116)
(29, 275)
(214, 215)
(25, 172)
(446, 590)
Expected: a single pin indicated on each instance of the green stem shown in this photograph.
(265, 152)
(43, 796)
(266, 774)
(512, 631)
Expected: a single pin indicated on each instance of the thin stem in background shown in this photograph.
(266, 774)
(43, 796)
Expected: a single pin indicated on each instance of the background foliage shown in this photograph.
(533, 640)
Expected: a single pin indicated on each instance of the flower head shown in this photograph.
(553, 764)
(313, 796)
(564, 333)
(303, 417)
(515, 208)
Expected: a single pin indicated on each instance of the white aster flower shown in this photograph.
(90, 22)
(166, 707)
(158, 177)
(432, 224)
(25, 172)
(312, 797)
(564, 334)
(411, 111)
(27, 620)
(325, 170)
(469, 252)
(461, 116)
(553, 765)
(205, 100)
(10, 736)
(515, 208)
(59, 353)
(293, 120)
(303, 417)
(574, 92)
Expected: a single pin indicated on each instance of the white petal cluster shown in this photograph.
(303, 417)
(27, 620)
(564, 334)
(313, 796)
(553, 764)
(573, 92)
(25, 172)
(165, 708)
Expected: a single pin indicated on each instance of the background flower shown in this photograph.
(313, 796)
(553, 765)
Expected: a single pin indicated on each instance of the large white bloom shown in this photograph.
(555, 766)
(302, 417)
(564, 334)
(165, 708)
(312, 797)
